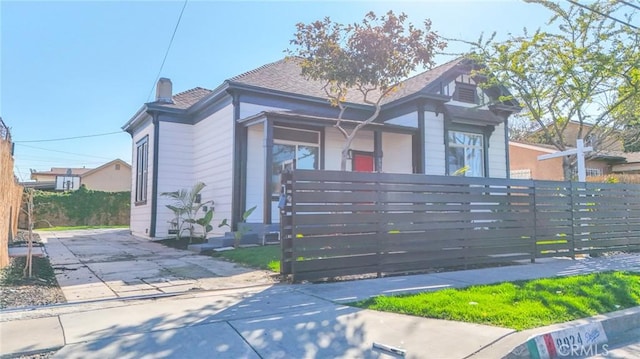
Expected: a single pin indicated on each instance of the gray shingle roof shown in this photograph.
(285, 75)
(630, 157)
(186, 99)
(422, 80)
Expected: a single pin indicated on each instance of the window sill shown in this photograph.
(141, 203)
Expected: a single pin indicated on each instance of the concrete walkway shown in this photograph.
(284, 321)
(103, 264)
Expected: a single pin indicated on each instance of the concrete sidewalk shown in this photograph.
(284, 321)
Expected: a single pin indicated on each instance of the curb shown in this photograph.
(582, 339)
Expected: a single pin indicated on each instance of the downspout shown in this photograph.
(154, 177)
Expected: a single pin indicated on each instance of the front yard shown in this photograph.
(523, 304)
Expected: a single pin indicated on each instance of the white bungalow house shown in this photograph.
(239, 137)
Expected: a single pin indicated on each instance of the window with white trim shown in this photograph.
(590, 172)
(142, 166)
(293, 148)
(465, 155)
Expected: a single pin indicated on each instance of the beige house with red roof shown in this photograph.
(239, 138)
(113, 176)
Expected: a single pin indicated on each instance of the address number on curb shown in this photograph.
(563, 342)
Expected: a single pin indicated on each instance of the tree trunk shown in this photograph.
(567, 168)
(345, 157)
(27, 272)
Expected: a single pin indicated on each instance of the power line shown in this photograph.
(68, 153)
(167, 52)
(630, 4)
(68, 138)
(603, 14)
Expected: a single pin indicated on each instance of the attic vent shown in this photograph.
(465, 93)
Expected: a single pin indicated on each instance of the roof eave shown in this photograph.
(506, 108)
(262, 90)
(415, 96)
(215, 95)
(135, 119)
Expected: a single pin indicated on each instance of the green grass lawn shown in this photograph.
(71, 228)
(523, 304)
(263, 257)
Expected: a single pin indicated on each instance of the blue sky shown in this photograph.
(73, 69)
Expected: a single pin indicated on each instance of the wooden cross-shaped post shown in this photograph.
(579, 151)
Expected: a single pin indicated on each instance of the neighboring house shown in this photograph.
(239, 138)
(524, 162)
(600, 139)
(113, 176)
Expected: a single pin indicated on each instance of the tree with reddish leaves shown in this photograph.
(371, 57)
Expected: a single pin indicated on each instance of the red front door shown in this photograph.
(362, 162)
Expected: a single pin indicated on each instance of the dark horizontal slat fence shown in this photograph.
(339, 223)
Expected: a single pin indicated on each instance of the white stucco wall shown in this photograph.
(397, 153)
(334, 141)
(255, 172)
(410, 120)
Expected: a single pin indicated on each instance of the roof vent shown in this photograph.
(164, 90)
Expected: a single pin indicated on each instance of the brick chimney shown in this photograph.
(164, 90)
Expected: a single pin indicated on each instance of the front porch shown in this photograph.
(277, 142)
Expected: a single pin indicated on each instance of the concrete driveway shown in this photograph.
(111, 263)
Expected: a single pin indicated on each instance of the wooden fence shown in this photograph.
(348, 223)
(10, 195)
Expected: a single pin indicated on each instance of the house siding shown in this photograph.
(213, 162)
(175, 169)
(141, 214)
(497, 153)
(434, 144)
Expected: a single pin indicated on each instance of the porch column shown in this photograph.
(420, 149)
(239, 165)
(377, 150)
(268, 170)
